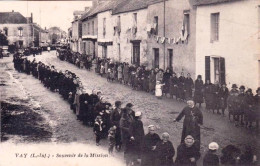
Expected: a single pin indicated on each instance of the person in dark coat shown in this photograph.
(174, 82)
(149, 145)
(115, 117)
(249, 108)
(138, 134)
(241, 105)
(188, 86)
(126, 127)
(166, 80)
(211, 158)
(198, 94)
(232, 102)
(152, 79)
(257, 107)
(223, 95)
(192, 121)
(230, 155)
(181, 87)
(216, 99)
(208, 89)
(165, 151)
(187, 153)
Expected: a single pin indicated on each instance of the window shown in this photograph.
(104, 27)
(134, 23)
(6, 31)
(136, 53)
(20, 31)
(207, 68)
(214, 27)
(85, 28)
(186, 22)
(155, 25)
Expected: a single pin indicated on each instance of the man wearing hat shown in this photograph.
(187, 153)
(211, 158)
(149, 146)
(192, 121)
(257, 106)
(232, 102)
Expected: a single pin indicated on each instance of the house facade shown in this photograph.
(20, 31)
(76, 32)
(171, 29)
(228, 42)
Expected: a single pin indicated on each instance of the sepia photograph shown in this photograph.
(129, 83)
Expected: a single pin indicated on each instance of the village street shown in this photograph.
(60, 124)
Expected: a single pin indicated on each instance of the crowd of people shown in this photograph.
(241, 103)
(123, 127)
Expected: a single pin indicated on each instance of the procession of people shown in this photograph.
(123, 127)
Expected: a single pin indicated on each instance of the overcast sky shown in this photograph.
(46, 13)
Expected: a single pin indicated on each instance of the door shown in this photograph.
(207, 68)
(156, 58)
(219, 70)
(20, 44)
(104, 52)
(170, 56)
(136, 53)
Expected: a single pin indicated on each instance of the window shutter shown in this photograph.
(222, 71)
(207, 68)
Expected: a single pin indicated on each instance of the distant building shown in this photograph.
(76, 31)
(20, 31)
(228, 42)
(56, 35)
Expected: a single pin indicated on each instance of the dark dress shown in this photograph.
(181, 88)
(209, 96)
(174, 81)
(223, 95)
(184, 154)
(198, 94)
(188, 85)
(249, 108)
(193, 117)
(210, 159)
(138, 134)
(149, 155)
(166, 80)
(152, 78)
(165, 153)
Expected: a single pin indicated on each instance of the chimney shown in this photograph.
(45, 28)
(12, 11)
(31, 17)
(86, 8)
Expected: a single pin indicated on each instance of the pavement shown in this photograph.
(66, 128)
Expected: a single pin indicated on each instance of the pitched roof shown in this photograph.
(211, 2)
(132, 5)
(101, 7)
(12, 18)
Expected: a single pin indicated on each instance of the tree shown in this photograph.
(3, 39)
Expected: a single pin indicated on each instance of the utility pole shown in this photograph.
(164, 54)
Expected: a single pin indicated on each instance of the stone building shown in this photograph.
(20, 31)
(76, 31)
(171, 42)
(228, 42)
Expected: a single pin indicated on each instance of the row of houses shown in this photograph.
(22, 31)
(218, 39)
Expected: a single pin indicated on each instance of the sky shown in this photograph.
(47, 13)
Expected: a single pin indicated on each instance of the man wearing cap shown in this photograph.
(211, 158)
(192, 121)
(187, 152)
(149, 146)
